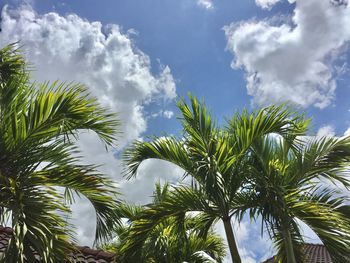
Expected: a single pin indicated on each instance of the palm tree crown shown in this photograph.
(215, 159)
(176, 239)
(290, 184)
(39, 125)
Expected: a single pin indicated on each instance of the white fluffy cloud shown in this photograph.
(266, 4)
(168, 114)
(163, 113)
(207, 4)
(327, 130)
(292, 61)
(107, 61)
(102, 57)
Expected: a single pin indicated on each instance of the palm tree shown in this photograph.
(290, 185)
(39, 125)
(214, 158)
(176, 239)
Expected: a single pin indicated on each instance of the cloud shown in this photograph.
(251, 245)
(168, 114)
(102, 57)
(206, 4)
(295, 60)
(149, 173)
(138, 190)
(327, 130)
(347, 132)
(119, 74)
(163, 113)
(266, 4)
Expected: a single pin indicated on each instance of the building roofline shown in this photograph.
(85, 250)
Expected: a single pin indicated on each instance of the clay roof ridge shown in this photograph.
(6, 230)
(85, 250)
(306, 245)
(95, 252)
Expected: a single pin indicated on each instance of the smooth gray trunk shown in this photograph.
(231, 241)
(289, 246)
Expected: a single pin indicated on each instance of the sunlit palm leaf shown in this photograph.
(37, 141)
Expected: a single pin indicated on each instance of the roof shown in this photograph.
(315, 253)
(83, 254)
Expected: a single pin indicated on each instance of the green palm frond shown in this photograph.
(37, 226)
(97, 188)
(247, 127)
(165, 148)
(282, 238)
(12, 63)
(328, 215)
(58, 110)
(287, 185)
(328, 158)
(222, 162)
(129, 211)
(209, 249)
(171, 238)
(40, 125)
(197, 122)
(161, 192)
(176, 204)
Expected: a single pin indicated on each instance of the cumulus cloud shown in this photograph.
(327, 130)
(138, 190)
(102, 57)
(108, 62)
(206, 4)
(149, 173)
(266, 4)
(293, 61)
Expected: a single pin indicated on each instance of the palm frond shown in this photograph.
(59, 110)
(84, 180)
(282, 236)
(176, 204)
(327, 158)
(197, 121)
(40, 125)
(247, 127)
(38, 228)
(165, 148)
(329, 217)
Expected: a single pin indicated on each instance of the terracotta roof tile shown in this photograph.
(315, 253)
(83, 255)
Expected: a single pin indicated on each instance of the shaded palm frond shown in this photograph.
(40, 125)
(165, 148)
(328, 215)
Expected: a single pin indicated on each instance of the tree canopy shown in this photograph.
(215, 158)
(176, 239)
(40, 123)
(261, 163)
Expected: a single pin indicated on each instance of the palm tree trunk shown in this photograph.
(231, 241)
(289, 246)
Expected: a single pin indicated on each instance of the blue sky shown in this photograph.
(191, 41)
(137, 57)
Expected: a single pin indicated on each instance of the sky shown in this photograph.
(139, 57)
